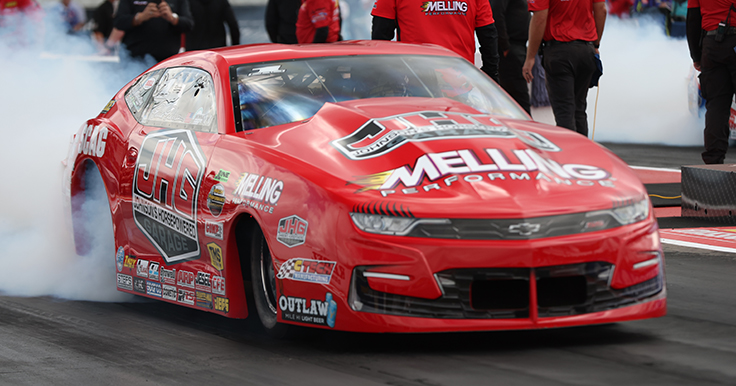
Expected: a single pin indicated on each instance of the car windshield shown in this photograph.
(276, 93)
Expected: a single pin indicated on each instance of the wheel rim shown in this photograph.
(268, 278)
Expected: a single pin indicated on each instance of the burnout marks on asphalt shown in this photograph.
(715, 239)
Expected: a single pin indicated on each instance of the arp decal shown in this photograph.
(312, 311)
(125, 282)
(185, 279)
(259, 192)
(469, 166)
(169, 292)
(215, 256)
(202, 282)
(222, 176)
(214, 230)
(292, 231)
(216, 199)
(141, 268)
(153, 271)
(380, 136)
(166, 183)
(185, 297)
(218, 285)
(92, 140)
(153, 288)
(204, 300)
(222, 304)
(311, 271)
(119, 258)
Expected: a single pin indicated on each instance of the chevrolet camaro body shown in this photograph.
(363, 186)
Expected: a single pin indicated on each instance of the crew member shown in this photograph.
(570, 33)
(318, 22)
(711, 38)
(152, 27)
(449, 24)
(512, 22)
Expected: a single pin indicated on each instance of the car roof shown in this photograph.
(271, 52)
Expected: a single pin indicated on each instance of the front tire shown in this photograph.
(263, 277)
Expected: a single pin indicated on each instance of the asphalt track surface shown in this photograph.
(59, 342)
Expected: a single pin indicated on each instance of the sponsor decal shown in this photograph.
(218, 285)
(119, 258)
(292, 231)
(267, 70)
(431, 8)
(168, 276)
(222, 304)
(215, 256)
(185, 279)
(222, 176)
(130, 262)
(141, 268)
(139, 285)
(437, 171)
(380, 136)
(169, 292)
(312, 311)
(125, 282)
(152, 80)
(204, 299)
(108, 106)
(92, 141)
(185, 297)
(153, 271)
(153, 288)
(259, 192)
(213, 229)
(202, 282)
(216, 199)
(166, 182)
(311, 271)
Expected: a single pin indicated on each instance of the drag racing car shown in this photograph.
(363, 186)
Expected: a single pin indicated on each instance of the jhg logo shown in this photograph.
(166, 182)
(292, 231)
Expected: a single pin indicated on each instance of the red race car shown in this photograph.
(362, 186)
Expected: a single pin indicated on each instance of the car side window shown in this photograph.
(138, 94)
(184, 98)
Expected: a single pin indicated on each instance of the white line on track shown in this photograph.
(656, 169)
(698, 245)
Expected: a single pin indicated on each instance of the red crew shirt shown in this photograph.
(8, 7)
(567, 20)
(447, 23)
(714, 12)
(315, 14)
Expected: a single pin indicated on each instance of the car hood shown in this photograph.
(439, 157)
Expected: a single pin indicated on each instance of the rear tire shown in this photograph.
(263, 278)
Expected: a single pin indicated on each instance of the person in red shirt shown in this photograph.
(318, 22)
(716, 59)
(447, 23)
(570, 33)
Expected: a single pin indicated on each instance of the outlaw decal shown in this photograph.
(312, 271)
(322, 313)
(380, 136)
(166, 183)
(292, 231)
(449, 167)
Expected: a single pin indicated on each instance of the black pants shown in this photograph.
(569, 68)
(717, 84)
(511, 78)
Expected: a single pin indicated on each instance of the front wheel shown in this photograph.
(263, 278)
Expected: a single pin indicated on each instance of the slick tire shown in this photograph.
(263, 278)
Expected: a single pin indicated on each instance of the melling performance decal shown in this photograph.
(259, 192)
(292, 231)
(380, 136)
(312, 311)
(311, 271)
(166, 184)
(437, 171)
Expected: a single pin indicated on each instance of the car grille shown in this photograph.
(504, 293)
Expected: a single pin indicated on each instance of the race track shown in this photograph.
(51, 341)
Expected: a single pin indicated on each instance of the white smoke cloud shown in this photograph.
(47, 95)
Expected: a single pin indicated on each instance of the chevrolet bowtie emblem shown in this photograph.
(524, 229)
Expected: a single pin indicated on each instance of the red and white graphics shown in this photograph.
(292, 231)
(185, 279)
(166, 183)
(218, 285)
(312, 271)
